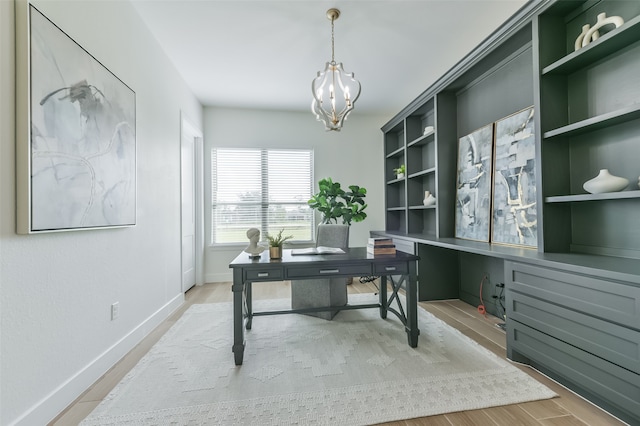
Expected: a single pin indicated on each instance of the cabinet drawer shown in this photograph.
(592, 295)
(587, 374)
(617, 344)
(329, 271)
(267, 274)
(391, 269)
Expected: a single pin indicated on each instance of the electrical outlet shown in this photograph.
(115, 311)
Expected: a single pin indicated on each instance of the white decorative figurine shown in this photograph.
(592, 34)
(253, 249)
(429, 199)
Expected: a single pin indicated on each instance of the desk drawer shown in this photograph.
(329, 271)
(390, 269)
(267, 274)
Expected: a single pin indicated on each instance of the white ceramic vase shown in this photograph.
(585, 30)
(429, 199)
(591, 35)
(605, 182)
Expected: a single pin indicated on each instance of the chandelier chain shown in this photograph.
(333, 60)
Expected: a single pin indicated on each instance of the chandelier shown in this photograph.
(334, 90)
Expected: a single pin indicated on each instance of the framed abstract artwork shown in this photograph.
(473, 187)
(514, 188)
(76, 145)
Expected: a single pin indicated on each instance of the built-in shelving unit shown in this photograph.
(587, 118)
(592, 96)
(608, 44)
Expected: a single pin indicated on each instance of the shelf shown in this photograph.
(606, 45)
(422, 173)
(433, 206)
(598, 122)
(593, 197)
(398, 152)
(394, 181)
(422, 140)
(395, 209)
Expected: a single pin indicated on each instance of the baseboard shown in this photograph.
(54, 403)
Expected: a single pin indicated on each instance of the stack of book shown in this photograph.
(380, 246)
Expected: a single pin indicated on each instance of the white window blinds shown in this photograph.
(266, 189)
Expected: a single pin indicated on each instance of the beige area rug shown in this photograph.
(355, 370)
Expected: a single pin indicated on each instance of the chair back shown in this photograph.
(333, 235)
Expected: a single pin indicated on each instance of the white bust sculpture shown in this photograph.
(253, 249)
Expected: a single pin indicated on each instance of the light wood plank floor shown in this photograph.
(567, 409)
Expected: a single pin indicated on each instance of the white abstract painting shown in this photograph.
(473, 190)
(514, 189)
(83, 136)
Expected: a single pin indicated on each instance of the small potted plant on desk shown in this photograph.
(275, 244)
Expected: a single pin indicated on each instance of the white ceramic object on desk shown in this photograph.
(605, 182)
(429, 199)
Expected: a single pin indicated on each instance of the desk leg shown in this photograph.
(248, 305)
(412, 306)
(383, 297)
(238, 320)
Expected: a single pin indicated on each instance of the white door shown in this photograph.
(189, 193)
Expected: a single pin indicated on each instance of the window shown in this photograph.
(266, 189)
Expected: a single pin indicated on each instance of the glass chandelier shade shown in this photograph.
(335, 91)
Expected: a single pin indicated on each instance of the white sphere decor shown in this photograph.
(605, 182)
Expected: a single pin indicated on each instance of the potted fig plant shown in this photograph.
(275, 244)
(335, 203)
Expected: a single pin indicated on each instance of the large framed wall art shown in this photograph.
(76, 144)
(514, 188)
(473, 189)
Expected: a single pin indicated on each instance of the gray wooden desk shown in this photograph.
(354, 263)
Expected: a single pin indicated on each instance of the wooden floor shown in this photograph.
(567, 409)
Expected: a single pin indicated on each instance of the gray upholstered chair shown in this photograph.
(323, 291)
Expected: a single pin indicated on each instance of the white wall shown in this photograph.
(56, 289)
(352, 156)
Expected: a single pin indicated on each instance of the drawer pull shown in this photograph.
(329, 271)
(389, 268)
(263, 274)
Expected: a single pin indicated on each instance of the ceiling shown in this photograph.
(263, 54)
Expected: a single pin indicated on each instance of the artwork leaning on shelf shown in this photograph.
(514, 215)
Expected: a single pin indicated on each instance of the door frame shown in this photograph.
(187, 128)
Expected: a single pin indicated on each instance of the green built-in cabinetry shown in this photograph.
(587, 118)
(590, 120)
(581, 328)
